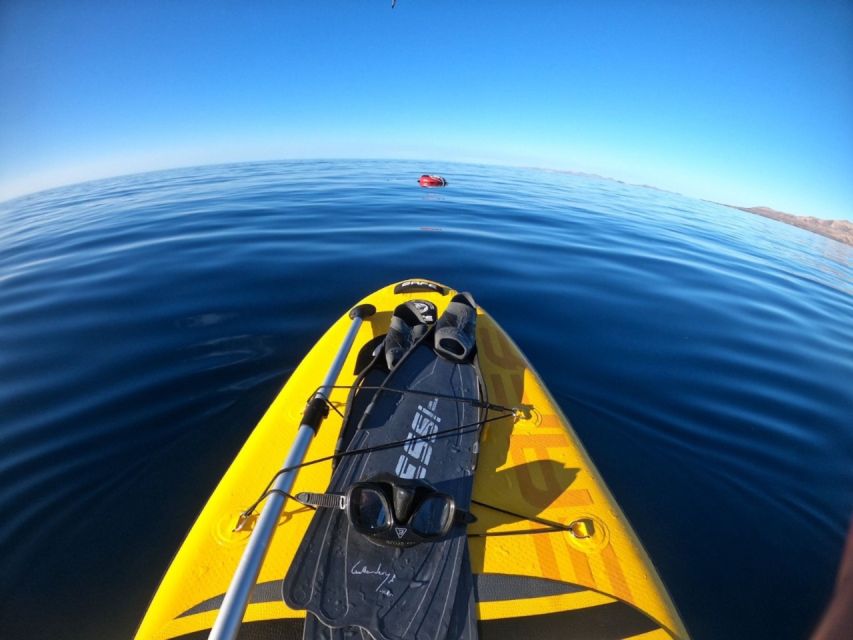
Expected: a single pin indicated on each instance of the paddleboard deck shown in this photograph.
(594, 581)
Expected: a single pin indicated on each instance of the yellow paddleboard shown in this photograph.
(592, 580)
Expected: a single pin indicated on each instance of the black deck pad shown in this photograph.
(419, 592)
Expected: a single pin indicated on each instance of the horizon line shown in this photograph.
(73, 182)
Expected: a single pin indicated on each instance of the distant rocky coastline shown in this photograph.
(841, 230)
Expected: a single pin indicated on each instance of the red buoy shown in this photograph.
(432, 181)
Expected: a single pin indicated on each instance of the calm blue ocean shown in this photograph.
(703, 354)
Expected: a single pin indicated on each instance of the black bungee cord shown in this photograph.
(550, 526)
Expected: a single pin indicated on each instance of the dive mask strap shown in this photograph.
(323, 500)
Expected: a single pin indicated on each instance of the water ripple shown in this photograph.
(703, 354)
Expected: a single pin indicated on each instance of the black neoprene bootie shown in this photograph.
(410, 322)
(456, 329)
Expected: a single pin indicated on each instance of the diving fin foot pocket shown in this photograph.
(456, 329)
(409, 323)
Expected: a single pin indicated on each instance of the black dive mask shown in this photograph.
(393, 511)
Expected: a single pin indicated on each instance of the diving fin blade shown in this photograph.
(411, 593)
(315, 630)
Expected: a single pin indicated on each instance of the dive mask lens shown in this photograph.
(433, 516)
(369, 510)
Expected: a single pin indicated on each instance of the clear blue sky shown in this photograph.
(748, 103)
